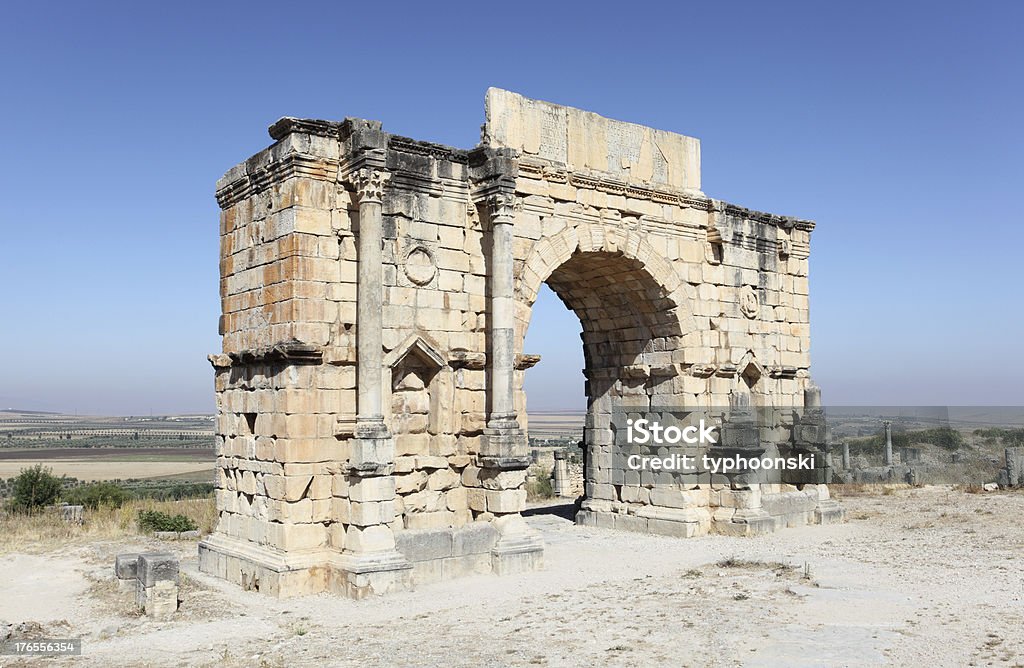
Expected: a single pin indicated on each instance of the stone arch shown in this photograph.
(552, 252)
(637, 324)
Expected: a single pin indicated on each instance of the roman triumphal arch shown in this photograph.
(376, 292)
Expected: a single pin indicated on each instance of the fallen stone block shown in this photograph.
(156, 589)
(126, 566)
(154, 567)
(73, 514)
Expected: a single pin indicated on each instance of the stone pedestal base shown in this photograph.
(372, 451)
(156, 582)
(747, 522)
(445, 554)
(779, 511)
(519, 549)
(159, 601)
(261, 569)
(829, 512)
(677, 522)
(300, 574)
(360, 576)
(505, 546)
(504, 448)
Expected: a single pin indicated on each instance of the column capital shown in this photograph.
(503, 206)
(368, 182)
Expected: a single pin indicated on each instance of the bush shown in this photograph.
(36, 487)
(540, 487)
(154, 520)
(943, 437)
(94, 495)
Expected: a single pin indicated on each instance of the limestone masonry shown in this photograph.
(376, 291)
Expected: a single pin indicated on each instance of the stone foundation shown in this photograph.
(427, 556)
(758, 510)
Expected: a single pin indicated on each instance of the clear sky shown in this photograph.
(896, 126)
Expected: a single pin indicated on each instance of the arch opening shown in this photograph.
(631, 341)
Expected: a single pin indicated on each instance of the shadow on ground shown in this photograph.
(566, 511)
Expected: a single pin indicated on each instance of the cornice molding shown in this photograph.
(255, 182)
(544, 172)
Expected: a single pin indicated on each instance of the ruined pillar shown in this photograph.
(503, 457)
(888, 442)
(1014, 466)
(812, 398)
(846, 456)
(502, 319)
(368, 183)
(560, 477)
(504, 445)
(370, 562)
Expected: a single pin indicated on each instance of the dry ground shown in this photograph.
(924, 577)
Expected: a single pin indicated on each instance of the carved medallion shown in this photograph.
(749, 305)
(420, 266)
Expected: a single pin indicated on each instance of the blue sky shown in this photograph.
(896, 126)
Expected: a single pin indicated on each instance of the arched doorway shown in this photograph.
(633, 342)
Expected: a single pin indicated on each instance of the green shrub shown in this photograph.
(36, 487)
(540, 487)
(154, 520)
(943, 437)
(96, 494)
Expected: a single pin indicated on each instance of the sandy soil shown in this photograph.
(926, 577)
(104, 470)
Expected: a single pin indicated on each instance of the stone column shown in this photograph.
(503, 455)
(369, 186)
(560, 475)
(504, 444)
(370, 562)
(1014, 466)
(888, 442)
(846, 456)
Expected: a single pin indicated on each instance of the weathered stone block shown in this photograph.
(126, 566)
(153, 567)
(369, 539)
(422, 545)
(438, 519)
(159, 600)
(380, 488)
(475, 538)
(506, 501)
(367, 513)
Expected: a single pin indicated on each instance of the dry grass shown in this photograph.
(45, 530)
(737, 562)
(838, 491)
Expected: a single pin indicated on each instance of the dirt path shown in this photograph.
(925, 577)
